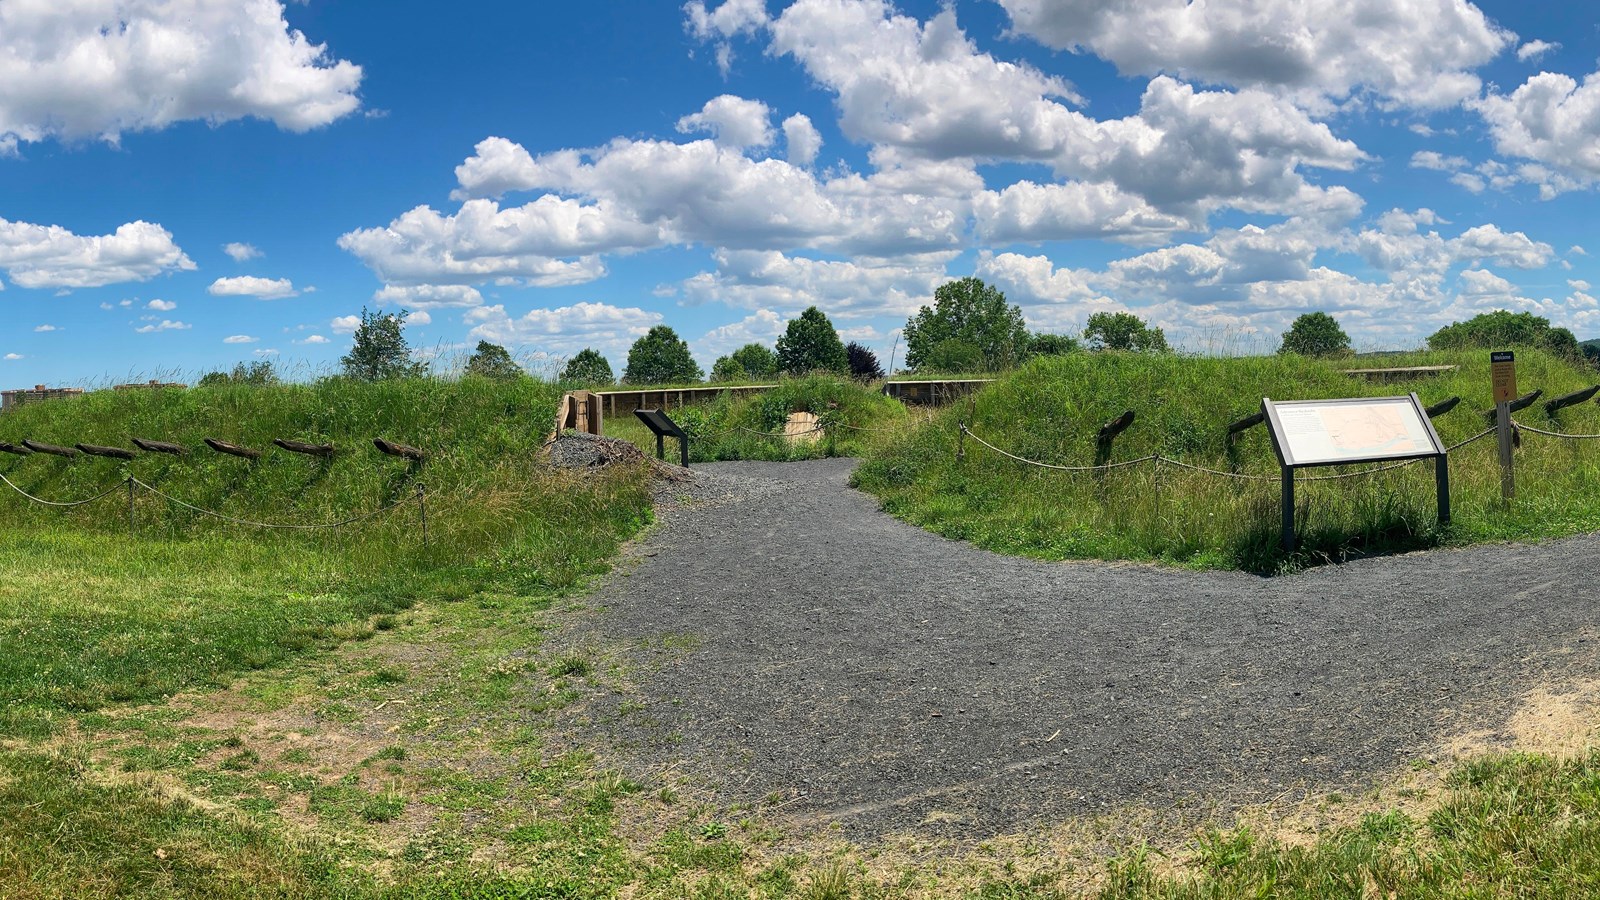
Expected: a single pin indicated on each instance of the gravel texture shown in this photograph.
(887, 679)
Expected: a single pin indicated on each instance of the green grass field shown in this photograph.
(1050, 410)
(196, 709)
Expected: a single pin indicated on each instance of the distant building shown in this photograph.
(9, 400)
(152, 384)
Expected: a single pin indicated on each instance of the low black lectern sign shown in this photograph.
(663, 428)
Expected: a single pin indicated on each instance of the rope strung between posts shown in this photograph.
(1132, 462)
(101, 496)
(1159, 460)
(1557, 434)
(280, 525)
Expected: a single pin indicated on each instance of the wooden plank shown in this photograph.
(51, 449)
(161, 447)
(1572, 399)
(1442, 407)
(1245, 423)
(107, 452)
(303, 447)
(16, 449)
(1115, 427)
(400, 450)
(232, 449)
(1517, 405)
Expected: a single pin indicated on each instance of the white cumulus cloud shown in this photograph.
(163, 325)
(1418, 52)
(49, 256)
(251, 286)
(241, 252)
(161, 305)
(97, 68)
(733, 122)
(240, 339)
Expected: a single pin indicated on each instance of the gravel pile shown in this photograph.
(888, 679)
(580, 450)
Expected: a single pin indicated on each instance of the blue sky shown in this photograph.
(191, 183)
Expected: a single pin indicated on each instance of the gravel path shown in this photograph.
(890, 680)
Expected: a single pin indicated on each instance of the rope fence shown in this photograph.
(132, 484)
(1160, 460)
(1557, 434)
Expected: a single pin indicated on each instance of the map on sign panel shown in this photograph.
(1343, 432)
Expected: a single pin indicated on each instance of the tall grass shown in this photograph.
(851, 417)
(97, 610)
(1051, 409)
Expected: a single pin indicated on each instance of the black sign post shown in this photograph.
(1352, 431)
(663, 428)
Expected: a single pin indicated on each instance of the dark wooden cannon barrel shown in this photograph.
(52, 449)
(107, 452)
(160, 447)
(232, 449)
(302, 447)
(400, 450)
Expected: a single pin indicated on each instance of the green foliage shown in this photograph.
(588, 368)
(1501, 329)
(260, 373)
(1124, 331)
(970, 328)
(492, 361)
(1052, 344)
(380, 351)
(1315, 334)
(755, 361)
(660, 357)
(751, 425)
(1051, 409)
(810, 344)
(1511, 826)
(864, 365)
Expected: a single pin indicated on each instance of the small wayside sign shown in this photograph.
(1503, 373)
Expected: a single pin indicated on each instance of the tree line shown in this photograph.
(970, 329)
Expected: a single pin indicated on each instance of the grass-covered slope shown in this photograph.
(1051, 409)
(851, 416)
(93, 610)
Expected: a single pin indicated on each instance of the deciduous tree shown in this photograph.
(660, 357)
(810, 344)
(380, 351)
(976, 316)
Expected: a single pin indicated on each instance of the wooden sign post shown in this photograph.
(1503, 374)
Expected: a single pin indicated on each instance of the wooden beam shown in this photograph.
(1572, 399)
(1246, 423)
(400, 450)
(232, 449)
(160, 447)
(1517, 405)
(52, 449)
(107, 452)
(1115, 427)
(302, 447)
(17, 449)
(1442, 407)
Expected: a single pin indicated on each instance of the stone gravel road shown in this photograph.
(890, 680)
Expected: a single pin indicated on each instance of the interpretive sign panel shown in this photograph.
(1503, 374)
(1340, 432)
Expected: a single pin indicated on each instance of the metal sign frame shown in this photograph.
(1281, 446)
(663, 427)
